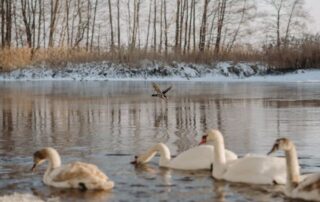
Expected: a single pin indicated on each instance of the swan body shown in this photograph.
(253, 169)
(256, 169)
(74, 175)
(297, 186)
(199, 157)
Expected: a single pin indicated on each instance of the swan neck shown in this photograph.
(293, 173)
(163, 151)
(219, 151)
(165, 155)
(54, 159)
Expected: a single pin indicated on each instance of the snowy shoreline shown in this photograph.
(148, 70)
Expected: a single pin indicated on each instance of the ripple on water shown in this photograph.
(107, 123)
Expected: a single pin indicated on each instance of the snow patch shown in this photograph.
(151, 70)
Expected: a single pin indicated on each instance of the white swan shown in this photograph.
(254, 169)
(74, 175)
(199, 157)
(307, 188)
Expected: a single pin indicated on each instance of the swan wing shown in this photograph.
(257, 170)
(200, 157)
(79, 170)
(78, 174)
(230, 156)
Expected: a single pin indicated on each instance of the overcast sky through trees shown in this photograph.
(313, 6)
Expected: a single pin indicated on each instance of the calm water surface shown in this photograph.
(107, 123)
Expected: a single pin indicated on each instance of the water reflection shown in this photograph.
(86, 120)
(55, 194)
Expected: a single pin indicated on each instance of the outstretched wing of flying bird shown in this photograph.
(166, 90)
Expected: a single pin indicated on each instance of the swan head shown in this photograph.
(211, 135)
(135, 161)
(44, 154)
(39, 157)
(281, 144)
(203, 139)
(139, 160)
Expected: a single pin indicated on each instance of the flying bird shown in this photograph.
(159, 93)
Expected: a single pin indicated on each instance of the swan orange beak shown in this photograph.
(203, 140)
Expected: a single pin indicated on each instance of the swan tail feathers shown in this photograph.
(107, 185)
(100, 185)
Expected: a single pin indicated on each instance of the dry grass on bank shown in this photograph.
(14, 58)
(300, 54)
(58, 57)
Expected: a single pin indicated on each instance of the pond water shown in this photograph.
(106, 123)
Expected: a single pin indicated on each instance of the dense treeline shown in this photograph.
(58, 31)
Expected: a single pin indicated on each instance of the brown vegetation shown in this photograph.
(300, 54)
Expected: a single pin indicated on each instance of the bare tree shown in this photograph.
(2, 23)
(177, 45)
(74, 15)
(135, 23)
(40, 2)
(165, 27)
(17, 32)
(186, 28)
(82, 24)
(118, 23)
(53, 16)
(285, 13)
(26, 20)
(221, 15)
(161, 26)
(33, 22)
(190, 24)
(129, 22)
(44, 37)
(182, 11)
(111, 24)
(155, 26)
(93, 23)
(194, 24)
(244, 12)
(277, 4)
(88, 12)
(148, 29)
(296, 13)
(211, 30)
(203, 28)
(8, 23)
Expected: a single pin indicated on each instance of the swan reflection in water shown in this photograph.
(200, 181)
(52, 193)
(151, 173)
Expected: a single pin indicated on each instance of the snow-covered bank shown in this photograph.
(147, 70)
